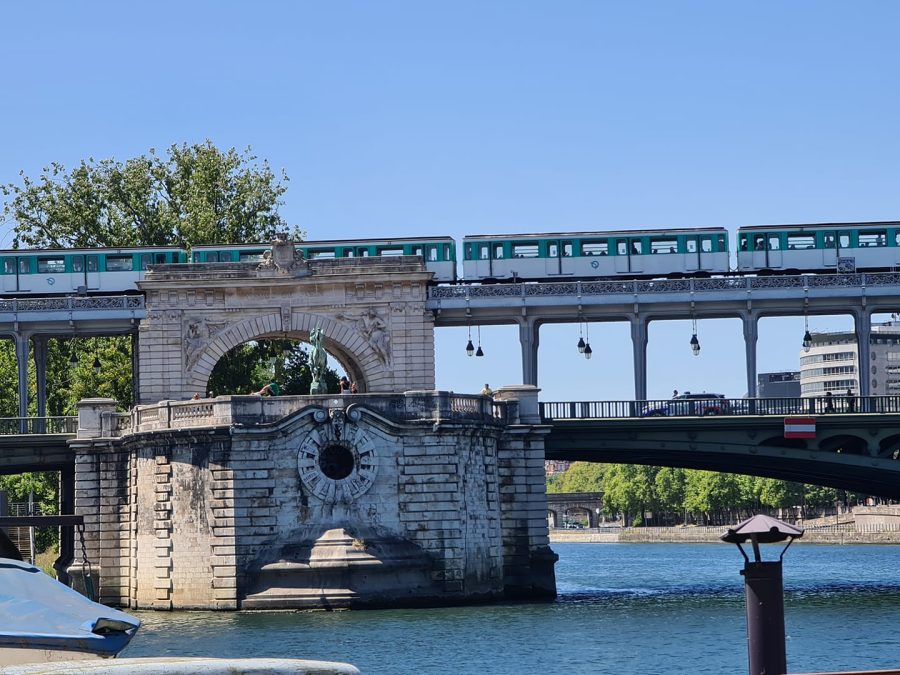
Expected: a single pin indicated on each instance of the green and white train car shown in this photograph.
(439, 253)
(588, 255)
(819, 247)
(66, 271)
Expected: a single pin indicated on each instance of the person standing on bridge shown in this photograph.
(829, 403)
(851, 401)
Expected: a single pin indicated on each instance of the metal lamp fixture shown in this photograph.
(479, 351)
(96, 365)
(587, 351)
(695, 343)
(470, 348)
(581, 342)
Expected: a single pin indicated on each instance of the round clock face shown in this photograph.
(337, 469)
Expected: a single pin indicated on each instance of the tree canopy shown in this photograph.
(192, 194)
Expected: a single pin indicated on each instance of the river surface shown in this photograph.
(622, 608)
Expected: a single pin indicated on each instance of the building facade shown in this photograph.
(785, 384)
(832, 365)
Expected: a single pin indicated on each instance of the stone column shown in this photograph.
(639, 348)
(750, 322)
(529, 340)
(527, 558)
(863, 325)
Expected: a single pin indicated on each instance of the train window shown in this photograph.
(78, 263)
(348, 253)
(484, 252)
(774, 242)
(744, 243)
(93, 263)
(691, 245)
(447, 252)
(146, 259)
(553, 250)
(432, 254)
(196, 256)
(723, 246)
(622, 247)
(322, 253)
(250, 256)
(160, 258)
(9, 265)
(498, 251)
(51, 265)
(390, 251)
(417, 250)
(119, 263)
(567, 249)
(828, 240)
(844, 240)
(525, 251)
(759, 242)
(364, 252)
(595, 248)
(706, 244)
(636, 247)
(872, 238)
(799, 242)
(897, 238)
(663, 245)
(24, 266)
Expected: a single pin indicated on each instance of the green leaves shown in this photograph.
(195, 194)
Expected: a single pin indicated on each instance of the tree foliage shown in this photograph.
(192, 194)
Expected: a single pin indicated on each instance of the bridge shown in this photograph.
(857, 451)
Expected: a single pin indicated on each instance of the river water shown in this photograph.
(622, 608)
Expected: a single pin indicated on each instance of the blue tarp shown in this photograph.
(38, 612)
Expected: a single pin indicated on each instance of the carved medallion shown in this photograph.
(337, 461)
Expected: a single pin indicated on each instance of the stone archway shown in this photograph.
(371, 311)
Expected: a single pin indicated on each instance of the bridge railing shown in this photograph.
(432, 406)
(700, 406)
(38, 425)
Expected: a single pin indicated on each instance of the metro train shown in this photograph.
(627, 254)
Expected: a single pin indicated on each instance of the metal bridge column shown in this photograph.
(639, 347)
(40, 363)
(135, 368)
(751, 335)
(529, 340)
(22, 363)
(863, 322)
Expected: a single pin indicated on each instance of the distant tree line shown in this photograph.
(676, 496)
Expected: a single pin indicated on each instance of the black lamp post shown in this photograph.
(764, 591)
(96, 365)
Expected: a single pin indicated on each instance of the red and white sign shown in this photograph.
(799, 427)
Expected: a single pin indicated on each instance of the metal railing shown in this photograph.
(38, 425)
(697, 407)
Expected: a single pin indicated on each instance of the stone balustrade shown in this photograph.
(98, 419)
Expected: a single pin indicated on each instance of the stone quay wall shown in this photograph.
(296, 502)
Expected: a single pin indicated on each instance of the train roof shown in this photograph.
(87, 251)
(333, 242)
(608, 233)
(820, 226)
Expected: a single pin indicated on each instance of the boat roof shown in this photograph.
(38, 612)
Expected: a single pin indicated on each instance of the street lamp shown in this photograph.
(764, 591)
(479, 351)
(96, 365)
(807, 338)
(695, 343)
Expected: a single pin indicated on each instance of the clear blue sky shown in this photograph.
(405, 118)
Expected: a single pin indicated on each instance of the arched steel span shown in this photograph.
(857, 453)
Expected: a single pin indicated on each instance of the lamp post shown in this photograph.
(764, 591)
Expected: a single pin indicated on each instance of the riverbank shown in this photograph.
(844, 533)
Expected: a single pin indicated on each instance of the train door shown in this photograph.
(622, 256)
(773, 250)
(553, 259)
(481, 256)
(691, 253)
(829, 249)
(11, 274)
(636, 254)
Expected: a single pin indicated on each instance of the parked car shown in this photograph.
(688, 404)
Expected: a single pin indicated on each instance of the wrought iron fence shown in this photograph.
(713, 405)
(38, 425)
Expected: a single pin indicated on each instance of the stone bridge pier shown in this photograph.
(362, 500)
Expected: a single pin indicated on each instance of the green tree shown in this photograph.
(581, 477)
(629, 489)
(193, 194)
